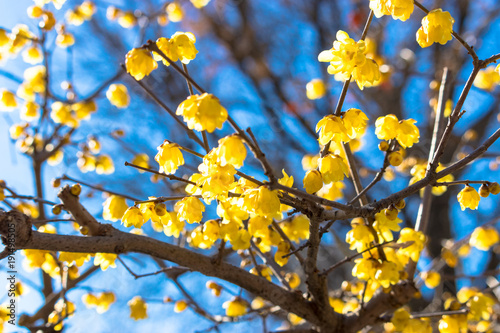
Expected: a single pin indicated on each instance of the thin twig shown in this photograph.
(98, 188)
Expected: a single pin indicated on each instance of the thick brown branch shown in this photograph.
(121, 242)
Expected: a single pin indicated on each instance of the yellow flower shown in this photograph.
(90, 300)
(33, 55)
(138, 308)
(258, 224)
(333, 168)
(83, 110)
(453, 324)
(367, 74)
(190, 209)
(117, 94)
(418, 173)
(313, 182)
(215, 180)
(214, 287)
(395, 158)
(178, 47)
(385, 226)
(34, 11)
(61, 114)
(17, 130)
(127, 20)
(315, 89)
(293, 280)
(332, 191)
(203, 112)
(310, 162)
(468, 198)
(199, 3)
(389, 127)
(387, 274)
(180, 306)
(51, 267)
(133, 217)
(105, 260)
(34, 259)
(348, 57)
(260, 201)
(480, 306)
(169, 157)
(140, 63)
(174, 12)
(104, 300)
(386, 127)
(30, 111)
(231, 151)
(173, 227)
(141, 160)
(240, 240)
(332, 128)
(197, 240)
(399, 9)
(236, 307)
(104, 165)
(483, 238)
(359, 237)
(34, 78)
(65, 39)
(431, 279)
(74, 258)
(81, 13)
(264, 271)
(183, 43)
(57, 3)
(283, 249)
(417, 240)
(487, 79)
(21, 36)
(297, 229)
(408, 133)
(355, 122)
(345, 55)
(400, 319)
(113, 208)
(365, 268)
(436, 27)
(7, 100)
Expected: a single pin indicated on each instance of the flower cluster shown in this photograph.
(348, 58)
(203, 112)
(399, 9)
(404, 131)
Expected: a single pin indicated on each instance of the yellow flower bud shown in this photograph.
(236, 307)
(313, 182)
(431, 279)
(395, 158)
(315, 89)
(180, 306)
(117, 95)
